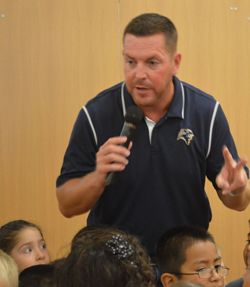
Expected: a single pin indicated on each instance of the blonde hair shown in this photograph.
(8, 270)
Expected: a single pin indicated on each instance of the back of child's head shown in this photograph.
(172, 245)
(86, 231)
(37, 276)
(106, 257)
(10, 231)
(8, 271)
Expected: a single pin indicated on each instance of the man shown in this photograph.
(190, 254)
(177, 144)
(246, 252)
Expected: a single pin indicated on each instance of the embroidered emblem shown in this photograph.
(186, 135)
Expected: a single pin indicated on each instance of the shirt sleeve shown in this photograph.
(79, 158)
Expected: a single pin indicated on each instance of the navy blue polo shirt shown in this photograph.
(163, 184)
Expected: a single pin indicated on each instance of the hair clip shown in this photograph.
(119, 247)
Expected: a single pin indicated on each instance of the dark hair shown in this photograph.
(172, 245)
(149, 24)
(10, 231)
(86, 231)
(92, 262)
(37, 276)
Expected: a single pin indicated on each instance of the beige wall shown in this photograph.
(56, 55)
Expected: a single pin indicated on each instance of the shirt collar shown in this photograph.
(176, 108)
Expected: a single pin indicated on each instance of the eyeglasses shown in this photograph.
(207, 273)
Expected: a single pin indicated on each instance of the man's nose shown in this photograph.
(141, 71)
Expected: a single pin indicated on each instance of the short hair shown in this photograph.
(93, 262)
(149, 24)
(172, 245)
(10, 231)
(8, 270)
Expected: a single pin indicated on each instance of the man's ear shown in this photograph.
(176, 63)
(167, 279)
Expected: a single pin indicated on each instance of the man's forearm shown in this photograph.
(79, 195)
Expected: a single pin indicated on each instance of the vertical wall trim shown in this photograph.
(119, 38)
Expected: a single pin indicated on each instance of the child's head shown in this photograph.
(24, 242)
(37, 276)
(106, 257)
(190, 253)
(86, 231)
(8, 271)
(246, 251)
(246, 275)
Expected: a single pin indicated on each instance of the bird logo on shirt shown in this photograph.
(186, 135)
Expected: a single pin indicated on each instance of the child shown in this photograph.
(24, 242)
(8, 271)
(190, 253)
(246, 275)
(246, 252)
(102, 256)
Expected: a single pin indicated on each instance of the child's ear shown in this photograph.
(168, 279)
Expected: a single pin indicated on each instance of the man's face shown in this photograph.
(246, 251)
(199, 256)
(149, 69)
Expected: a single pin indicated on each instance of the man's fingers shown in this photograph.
(222, 184)
(228, 157)
(114, 145)
(240, 165)
(115, 141)
(112, 156)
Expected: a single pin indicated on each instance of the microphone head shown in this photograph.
(133, 115)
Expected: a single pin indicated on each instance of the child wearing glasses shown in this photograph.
(190, 254)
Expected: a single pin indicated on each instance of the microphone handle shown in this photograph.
(128, 131)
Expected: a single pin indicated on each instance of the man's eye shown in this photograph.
(153, 64)
(28, 250)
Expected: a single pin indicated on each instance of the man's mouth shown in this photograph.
(141, 88)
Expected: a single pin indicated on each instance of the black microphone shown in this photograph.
(132, 118)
